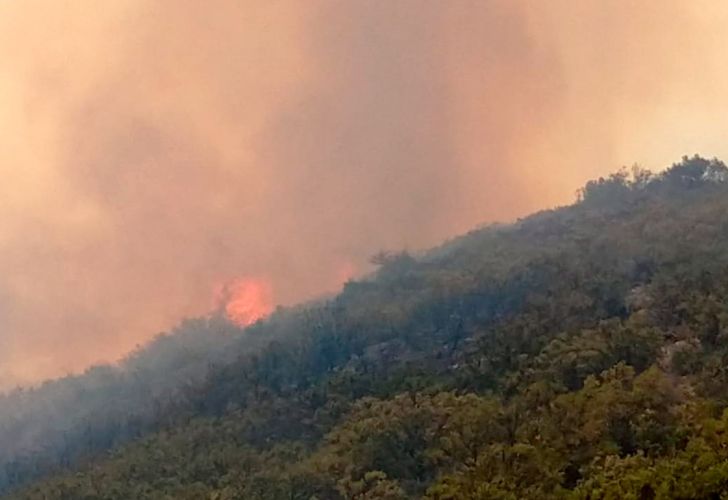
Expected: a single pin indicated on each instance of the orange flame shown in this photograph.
(246, 300)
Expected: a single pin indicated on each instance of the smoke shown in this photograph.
(156, 150)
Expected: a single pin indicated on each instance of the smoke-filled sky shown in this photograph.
(154, 150)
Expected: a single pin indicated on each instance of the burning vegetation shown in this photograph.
(245, 300)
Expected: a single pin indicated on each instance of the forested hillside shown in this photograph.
(578, 353)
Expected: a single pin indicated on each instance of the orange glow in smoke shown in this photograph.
(345, 272)
(246, 300)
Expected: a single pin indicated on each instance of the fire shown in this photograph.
(246, 300)
(345, 272)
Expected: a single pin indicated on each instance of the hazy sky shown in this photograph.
(154, 150)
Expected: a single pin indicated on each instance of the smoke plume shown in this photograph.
(156, 150)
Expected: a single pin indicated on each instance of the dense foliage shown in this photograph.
(579, 353)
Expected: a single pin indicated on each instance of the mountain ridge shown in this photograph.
(576, 353)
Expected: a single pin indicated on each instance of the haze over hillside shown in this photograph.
(156, 154)
(579, 353)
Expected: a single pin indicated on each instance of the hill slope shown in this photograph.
(579, 353)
